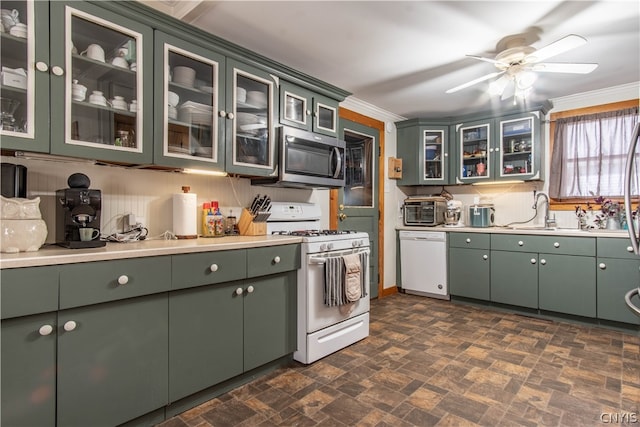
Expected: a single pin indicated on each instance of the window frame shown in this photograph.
(570, 204)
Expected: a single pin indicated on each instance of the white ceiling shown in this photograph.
(401, 56)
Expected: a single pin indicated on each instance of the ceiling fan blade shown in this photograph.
(509, 91)
(472, 82)
(489, 60)
(559, 46)
(556, 67)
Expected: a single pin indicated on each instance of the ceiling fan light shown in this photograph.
(525, 80)
(497, 87)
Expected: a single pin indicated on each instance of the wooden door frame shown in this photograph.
(333, 194)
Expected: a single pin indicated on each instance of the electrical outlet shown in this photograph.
(128, 222)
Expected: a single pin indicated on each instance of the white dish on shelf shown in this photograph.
(257, 98)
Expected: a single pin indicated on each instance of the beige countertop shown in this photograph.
(525, 229)
(54, 255)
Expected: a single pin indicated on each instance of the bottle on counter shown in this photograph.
(217, 219)
(208, 229)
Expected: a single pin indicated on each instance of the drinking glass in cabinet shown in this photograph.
(252, 139)
(16, 83)
(190, 105)
(103, 83)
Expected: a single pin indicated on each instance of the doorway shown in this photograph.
(358, 206)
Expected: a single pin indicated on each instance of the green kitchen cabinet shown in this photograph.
(514, 278)
(469, 265)
(618, 272)
(424, 150)
(189, 122)
(567, 284)
(112, 361)
(251, 106)
(85, 39)
(308, 110)
(26, 127)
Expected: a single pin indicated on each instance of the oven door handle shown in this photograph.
(336, 153)
(322, 260)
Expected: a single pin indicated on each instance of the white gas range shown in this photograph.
(322, 330)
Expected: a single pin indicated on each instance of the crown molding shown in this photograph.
(603, 96)
(370, 110)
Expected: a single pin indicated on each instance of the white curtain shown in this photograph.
(589, 155)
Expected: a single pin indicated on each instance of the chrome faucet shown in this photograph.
(549, 222)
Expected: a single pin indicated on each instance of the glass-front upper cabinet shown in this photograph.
(519, 156)
(307, 110)
(252, 144)
(434, 154)
(24, 77)
(101, 87)
(474, 152)
(188, 120)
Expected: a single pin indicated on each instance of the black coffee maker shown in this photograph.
(78, 214)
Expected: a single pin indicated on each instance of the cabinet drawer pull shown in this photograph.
(56, 70)
(239, 291)
(41, 66)
(485, 257)
(556, 245)
(123, 280)
(70, 325)
(250, 289)
(276, 260)
(602, 266)
(543, 261)
(533, 261)
(629, 249)
(222, 113)
(45, 330)
(520, 243)
(468, 240)
(213, 268)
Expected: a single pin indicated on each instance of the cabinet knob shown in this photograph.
(213, 268)
(468, 240)
(533, 261)
(491, 150)
(123, 280)
(239, 291)
(543, 261)
(70, 325)
(446, 154)
(230, 116)
(520, 243)
(602, 266)
(308, 112)
(276, 260)
(556, 245)
(45, 330)
(58, 71)
(629, 249)
(222, 113)
(41, 66)
(250, 289)
(485, 257)
(497, 149)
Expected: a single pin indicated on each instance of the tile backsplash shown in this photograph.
(147, 194)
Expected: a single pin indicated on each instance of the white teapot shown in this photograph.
(22, 228)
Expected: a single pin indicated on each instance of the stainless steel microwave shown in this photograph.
(424, 210)
(308, 159)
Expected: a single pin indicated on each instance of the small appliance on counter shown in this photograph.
(453, 214)
(78, 214)
(481, 215)
(425, 211)
(14, 180)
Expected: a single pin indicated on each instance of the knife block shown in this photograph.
(246, 226)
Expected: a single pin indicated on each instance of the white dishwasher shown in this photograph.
(423, 263)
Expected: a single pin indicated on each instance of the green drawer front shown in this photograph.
(189, 270)
(272, 259)
(469, 240)
(615, 248)
(102, 281)
(27, 291)
(585, 246)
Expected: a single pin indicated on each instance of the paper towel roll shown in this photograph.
(185, 214)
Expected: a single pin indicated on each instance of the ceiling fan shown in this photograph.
(518, 63)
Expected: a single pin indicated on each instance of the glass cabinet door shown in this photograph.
(475, 147)
(296, 109)
(517, 147)
(432, 144)
(24, 54)
(325, 115)
(252, 135)
(188, 79)
(103, 88)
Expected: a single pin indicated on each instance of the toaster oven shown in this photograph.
(425, 211)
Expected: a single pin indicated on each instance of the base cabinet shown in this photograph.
(514, 278)
(469, 273)
(615, 278)
(112, 361)
(29, 371)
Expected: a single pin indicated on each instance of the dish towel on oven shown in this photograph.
(335, 281)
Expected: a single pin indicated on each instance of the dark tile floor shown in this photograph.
(429, 362)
